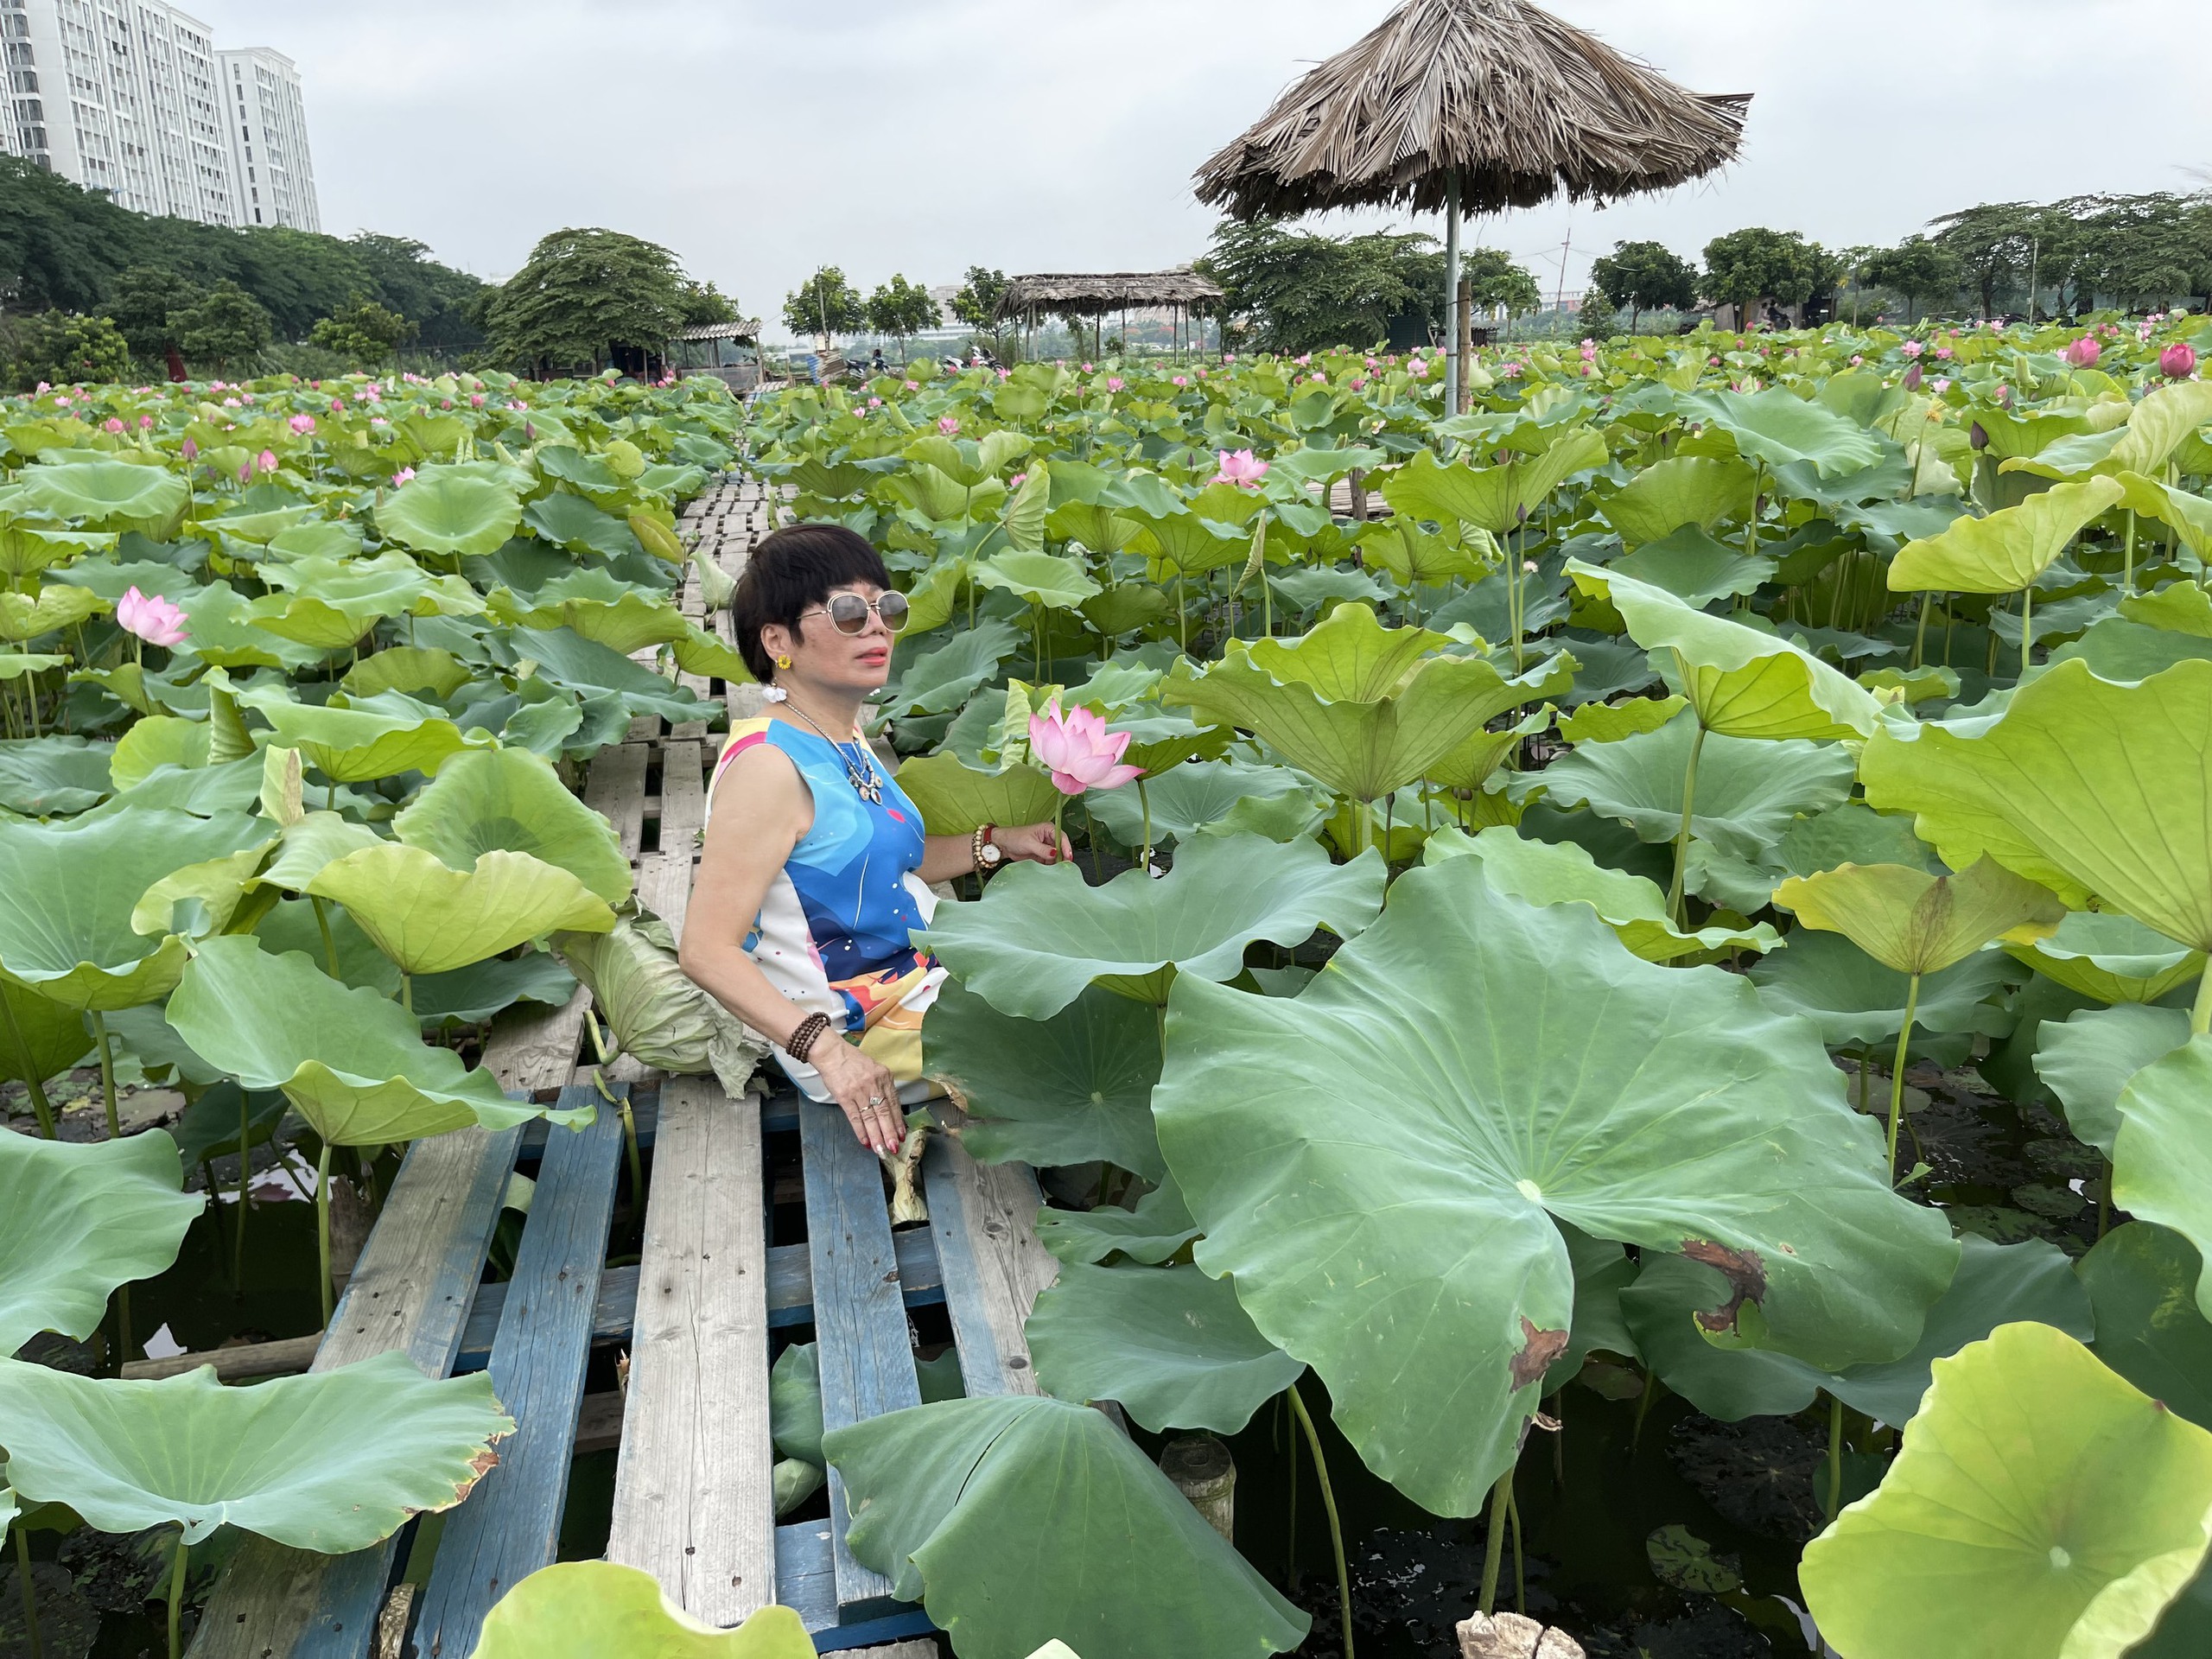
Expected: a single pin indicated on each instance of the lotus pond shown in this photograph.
(1638, 1048)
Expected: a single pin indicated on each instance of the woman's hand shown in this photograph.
(865, 1091)
(1038, 843)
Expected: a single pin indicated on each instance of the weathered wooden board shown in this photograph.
(985, 1216)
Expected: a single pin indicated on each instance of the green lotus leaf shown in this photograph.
(221, 628)
(2110, 957)
(1609, 722)
(795, 1403)
(1995, 1284)
(84, 1219)
(1017, 1520)
(1040, 935)
(1361, 707)
(570, 521)
(407, 668)
(2179, 607)
(626, 621)
(39, 1037)
(2189, 515)
(1780, 428)
(1493, 499)
(2071, 787)
(657, 1014)
(505, 800)
(598, 1610)
(1741, 682)
(204, 791)
(331, 605)
(318, 839)
(50, 776)
(1418, 558)
(1854, 833)
(592, 670)
(948, 675)
(2041, 1508)
(2008, 551)
(66, 895)
(2142, 1283)
(1097, 526)
(157, 741)
(352, 1062)
(2088, 1059)
(1188, 542)
(432, 919)
(1855, 1000)
(2166, 419)
(954, 799)
(13, 664)
(321, 539)
(210, 892)
(332, 1461)
(1748, 791)
(57, 606)
(118, 494)
(1377, 1163)
(1158, 1228)
(357, 746)
(1212, 798)
(445, 510)
(1169, 1344)
(1064, 1090)
(1917, 923)
(1046, 579)
(1560, 872)
(2162, 1157)
(471, 995)
(1699, 490)
(1695, 569)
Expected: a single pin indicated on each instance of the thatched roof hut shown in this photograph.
(1068, 294)
(1520, 106)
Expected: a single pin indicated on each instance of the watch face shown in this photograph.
(993, 856)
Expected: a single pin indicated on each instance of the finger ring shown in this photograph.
(875, 1100)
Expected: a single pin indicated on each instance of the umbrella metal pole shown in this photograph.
(1453, 368)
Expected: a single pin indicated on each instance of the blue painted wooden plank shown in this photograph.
(791, 1296)
(806, 1583)
(511, 1524)
(990, 1262)
(411, 1289)
(860, 1318)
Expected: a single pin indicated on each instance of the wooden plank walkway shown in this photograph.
(694, 1490)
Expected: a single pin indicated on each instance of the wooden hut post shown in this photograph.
(1453, 371)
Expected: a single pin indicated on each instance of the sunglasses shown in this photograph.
(849, 612)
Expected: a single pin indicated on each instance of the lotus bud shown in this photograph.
(1912, 378)
(2082, 353)
(2177, 361)
(1976, 437)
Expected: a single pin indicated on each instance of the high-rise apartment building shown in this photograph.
(132, 98)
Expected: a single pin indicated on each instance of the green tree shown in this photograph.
(64, 347)
(1495, 281)
(976, 304)
(704, 303)
(1852, 266)
(825, 304)
(1926, 272)
(1299, 291)
(1992, 244)
(362, 332)
(223, 326)
(1747, 266)
(901, 309)
(1640, 276)
(583, 294)
(145, 302)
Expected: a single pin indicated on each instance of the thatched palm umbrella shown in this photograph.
(1475, 104)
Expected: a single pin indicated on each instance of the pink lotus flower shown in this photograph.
(947, 425)
(1912, 377)
(1912, 348)
(1114, 383)
(1241, 469)
(1086, 368)
(1359, 382)
(2177, 361)
(229, 402)
(153, 618)
(301, 424)
(1303, 361)
(404, 475)
(1017, 480)
(191, 450)
(2082, 353)
(336, 407)
(1511, 370)
(1078, 751)
(913, 385)
(1856, 361)
(1182, 379)
(875, 403)
(1943, 351)
(249, 397)
(145, 422)
(1006, 374)
(266, 461)
(1939, 385)
(112, 425)
(44, 388)
(245, 471)
(476, 400)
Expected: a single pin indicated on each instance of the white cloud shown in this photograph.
(760, 140)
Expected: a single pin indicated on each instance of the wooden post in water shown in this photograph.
(1200, 1468)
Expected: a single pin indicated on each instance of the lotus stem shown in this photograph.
(107, 1074)
(1494, 1539)
(2127, 565)
(407, 992)
(1920, 634)
(31, 1594)
(36, 1087)
(329, 940)
(1835, 1457)
(246, 1193)
(2027, 633)
(1897, 1070)
(323, 1230)
(1328, 1504)
(1290, 1553)
(1682, 835)
(176, 1595)
(2200, 1013)
(1520, 1562)
(1145, 802)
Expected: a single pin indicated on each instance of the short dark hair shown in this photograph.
(791, 570)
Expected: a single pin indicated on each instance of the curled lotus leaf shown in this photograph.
(2110, 957)
(1379, 1163)
(330, 1462)
(358, 746)
(2072, 787)
(1701, 490)
(450, 511)
(2008, 550)
(352, 1061)
(38, 1036)
(1217, 797)
(1040, 934)
(2162, 1157)
(1855, 1000)
(1778, 428)
(511, 800)
(594, 1610)
(1169, 1344)
(2042, 1507)
(657, 1013)
(80, 1221)
(1018, 1520)
(431, 918)
(2089, 1058)
(1915, 922)
(1154, 1231)
(1044, 579)
(1560, 872)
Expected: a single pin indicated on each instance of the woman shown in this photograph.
(814, 870)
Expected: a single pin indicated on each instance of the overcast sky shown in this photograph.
(759, 140)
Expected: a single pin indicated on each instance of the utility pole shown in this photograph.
(1559, 299)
